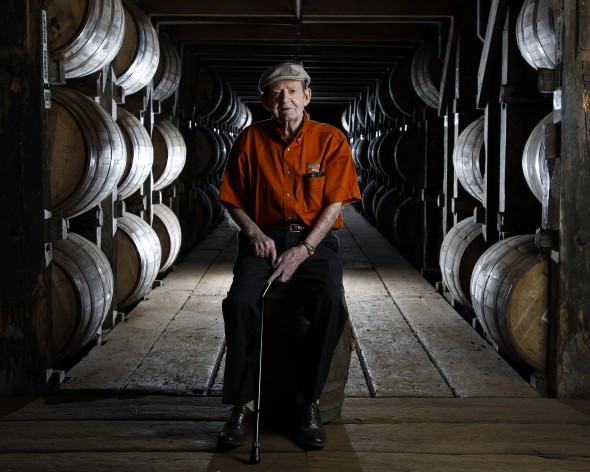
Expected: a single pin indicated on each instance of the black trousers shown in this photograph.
(317, 283)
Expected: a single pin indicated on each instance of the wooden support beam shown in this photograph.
(197, 30)
(286, 9)
(569, 361)
(493, 120)
(447, 79)
(492, 44)
(25, 327)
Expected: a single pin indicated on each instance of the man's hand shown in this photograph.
(287, 263)
(263, 246)
(260, 244)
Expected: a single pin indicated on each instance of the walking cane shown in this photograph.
(255, 453)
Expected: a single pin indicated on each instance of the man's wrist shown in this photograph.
(310, 249)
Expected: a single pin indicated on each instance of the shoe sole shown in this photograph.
(309, 446)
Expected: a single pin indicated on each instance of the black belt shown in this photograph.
(291, 227)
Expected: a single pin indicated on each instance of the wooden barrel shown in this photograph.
(169, 70)
(510, 294)
(136, 62)
(469, 158)
(208, 90)
(140, 153)
(204, 152)
(87, 153)
(224, 150)
(367, 199)
(243, 115)
(406, 228)
(535, 34)
(361, 110)
(82, 294)
(167, 228)
(238, 113)
(169, 154)
(217, 213)
(385, 156)
(426, 74)
(410, 154)
(139, 257)
(379, 193)
(228, 106)
(401, 89)
(371, 106)
(534, 165)
(372, 152)
(196, 216)
(461, 249)
(85, 35)
(284, 335)
(385, 212)
(232, 113)
(345, 120)
(384, 97)
(361, 153)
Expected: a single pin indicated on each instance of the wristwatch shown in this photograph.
(310, 248)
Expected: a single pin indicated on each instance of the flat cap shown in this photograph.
(284, 71)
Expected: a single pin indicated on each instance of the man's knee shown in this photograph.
(238, 309)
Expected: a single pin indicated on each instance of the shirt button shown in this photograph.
(288, 149)
(289, 217)
(288, 172)
(288, 195)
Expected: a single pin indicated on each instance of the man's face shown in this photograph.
(286, 100)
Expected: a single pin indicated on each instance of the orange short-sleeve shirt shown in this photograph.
(275, 182)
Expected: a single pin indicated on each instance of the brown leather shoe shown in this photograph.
(310, 431)
(236, 428)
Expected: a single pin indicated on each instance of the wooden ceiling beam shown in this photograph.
(318, 9)
(403, 33)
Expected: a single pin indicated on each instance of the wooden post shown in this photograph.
(569, 361)
(459, 204)
(25, 327)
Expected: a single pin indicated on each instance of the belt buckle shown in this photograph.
(295, 228)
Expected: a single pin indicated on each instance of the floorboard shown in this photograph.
(405, 462)
(172, 433)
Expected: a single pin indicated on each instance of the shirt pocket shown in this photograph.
(313, 192)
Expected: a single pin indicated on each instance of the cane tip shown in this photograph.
(255, 453)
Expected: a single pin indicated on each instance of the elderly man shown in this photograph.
(284, 185)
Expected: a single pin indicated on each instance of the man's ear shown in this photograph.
(307, 98)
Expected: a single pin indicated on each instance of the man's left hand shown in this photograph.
(287, 263)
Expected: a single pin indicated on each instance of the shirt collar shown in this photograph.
(301, 129)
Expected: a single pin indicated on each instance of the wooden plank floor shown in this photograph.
(177, 433)
(425, 392)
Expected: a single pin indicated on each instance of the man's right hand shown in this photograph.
(263, 246)
(260, 244)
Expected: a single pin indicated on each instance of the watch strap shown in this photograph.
(310, 248)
